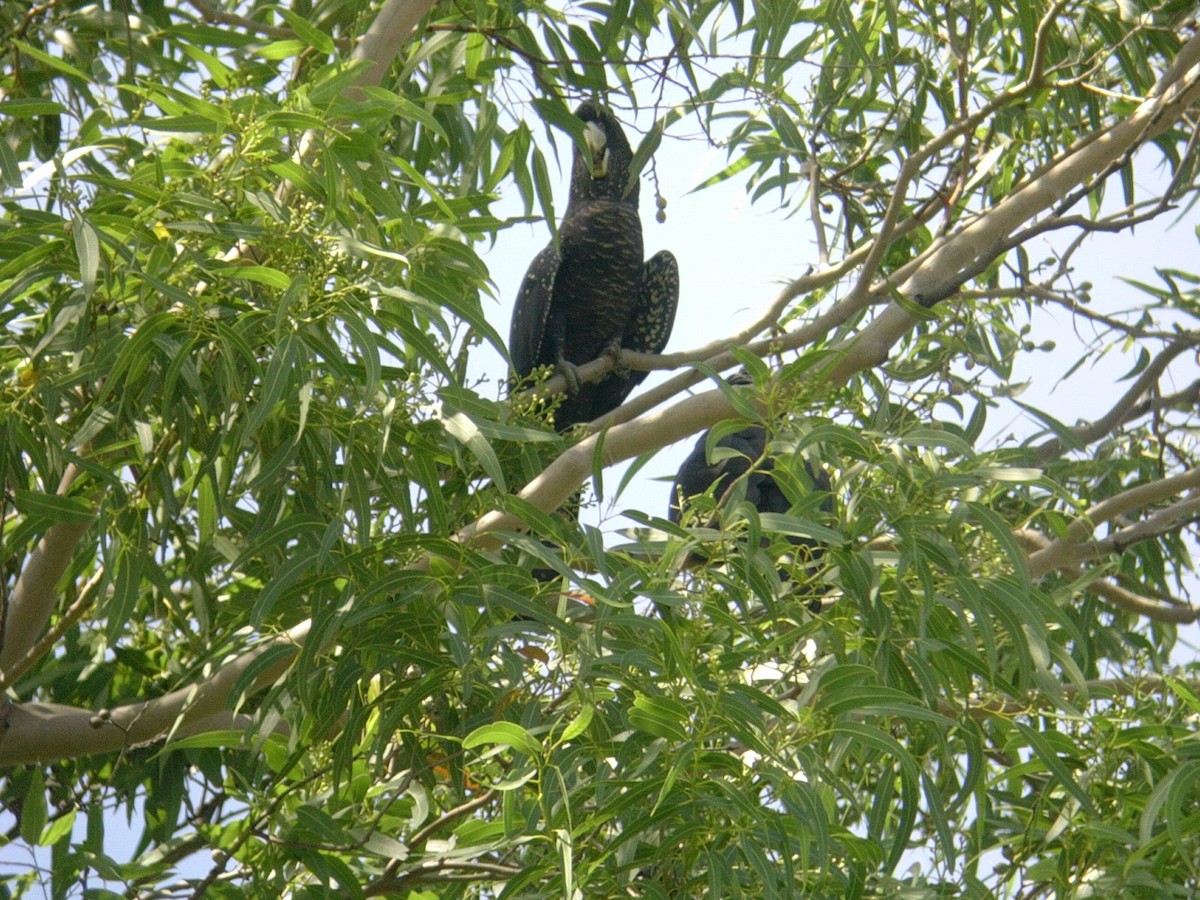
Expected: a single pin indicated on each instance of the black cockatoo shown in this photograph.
(590, 293)
(697, 475)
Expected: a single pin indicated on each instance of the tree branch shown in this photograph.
(1113, 594)
(393, 25)
(1161, 522)
(66, 622)
(36, 591)
(40, 732)
(390, 28)
(561, 478)
(1109, 687)
(1119, 414)
(941, 270)
(1064, 551)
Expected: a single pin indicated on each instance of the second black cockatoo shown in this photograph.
(697, 476)
(591, 293)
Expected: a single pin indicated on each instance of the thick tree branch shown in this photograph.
(561, 478)
(1121, 598)
(1188, 398)
(40, 732)
(940, 272)
(393, 25)
(1127, 600)
(1064, 552)
(36, 591)
(1153, 526)
(65, 623)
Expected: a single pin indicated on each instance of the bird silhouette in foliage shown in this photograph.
(749, 463)
(590, 293)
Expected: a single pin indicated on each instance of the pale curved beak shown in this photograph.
(597, 142)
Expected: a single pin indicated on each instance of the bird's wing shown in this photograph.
(532, 311)
(659, 296)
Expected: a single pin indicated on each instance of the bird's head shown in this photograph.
(604, 170)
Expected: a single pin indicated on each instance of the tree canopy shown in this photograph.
(268, 541)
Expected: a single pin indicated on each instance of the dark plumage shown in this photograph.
(591, 293)
(751, 464)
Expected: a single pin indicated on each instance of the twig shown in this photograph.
(814, 210)
(212, 14)
(1087, 434)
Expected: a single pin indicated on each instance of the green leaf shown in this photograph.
(738, 165)
(285, 578)
(58, 829)
(578, 725)
(778, 523)
(641, 157)
(507, 734)
(557, 114)
(368, 351)
(34, 810)
(659, 716)
(265, 660)
(1002, 533)
(280, 373)
(29, 107)
(53, 507)
(315, 823)
(545, 192)
(51, 62)
(264, 275)
(463, 429)
(422, 182)
(1170, 796)
(286, 49)
(136, 350)
(1050, 759)
(126, 584)
(188, 124)
(87, 249)
(210, 739)
(314, 37)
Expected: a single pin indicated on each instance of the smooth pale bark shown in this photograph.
(37, 732)
(36, 592)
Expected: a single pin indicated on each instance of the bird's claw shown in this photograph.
(614, 352)
(570, 372)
